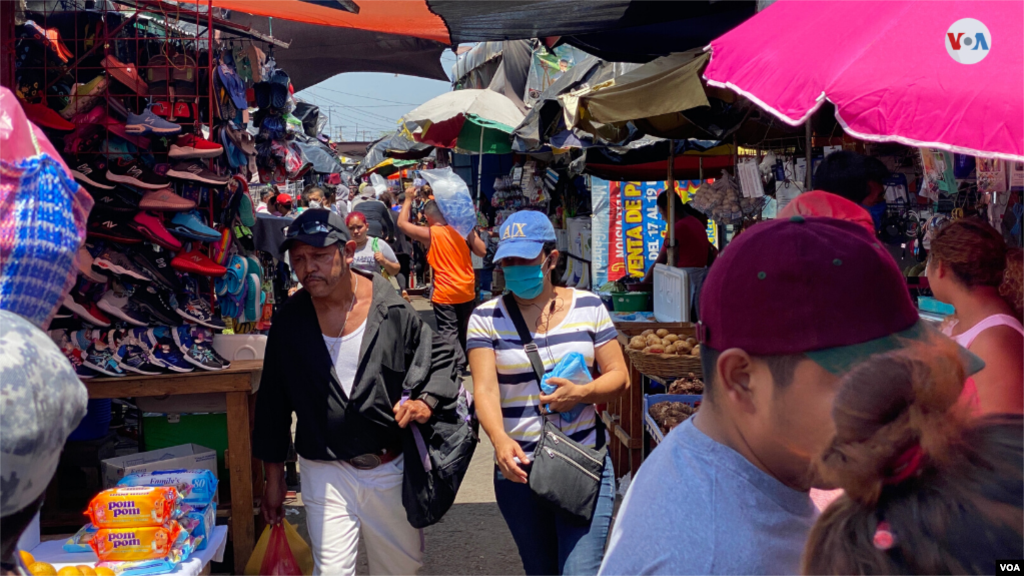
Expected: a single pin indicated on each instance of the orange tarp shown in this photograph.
(405, 17)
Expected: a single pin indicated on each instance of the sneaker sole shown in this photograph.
(115, 311)
(137, 370)
(133, 181)
(155, 238)
(83, 178)
(192, 235)
(199, 321)
(92, 366)
(108, 266)
(194, 178)
(181, 153)
(156, 313)
(82, 313)
(174, 368)
(111, 237)
(144, 130)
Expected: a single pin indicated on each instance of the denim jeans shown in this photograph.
(550, 540)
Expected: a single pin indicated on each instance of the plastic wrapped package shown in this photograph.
(80, 541)
(380, 185)
(203, 483)
(135, 506)
(572, 367)
(130, 544)
(452, 197)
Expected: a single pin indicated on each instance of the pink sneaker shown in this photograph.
(151, 226)
(164, 200)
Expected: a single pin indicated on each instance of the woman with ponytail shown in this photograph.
(929, 489)
(971, 267)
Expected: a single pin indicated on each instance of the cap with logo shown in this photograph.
(523, 235)
(816, 286)
(284, 199)
(317, 228)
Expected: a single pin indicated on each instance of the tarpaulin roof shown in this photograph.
(320, 52)
(647, 159)
(394, 145)
(455, 21)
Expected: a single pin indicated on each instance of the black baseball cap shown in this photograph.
(317, 228)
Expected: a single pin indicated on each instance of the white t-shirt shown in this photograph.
(586, 327)
(345, 356)
(364, 259)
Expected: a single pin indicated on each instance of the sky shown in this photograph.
(372, 102)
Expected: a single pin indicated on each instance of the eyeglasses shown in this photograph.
(310, 228)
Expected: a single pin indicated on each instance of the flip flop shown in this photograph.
(237, 272)
(252, 298)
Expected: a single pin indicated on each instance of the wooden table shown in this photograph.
(237, 383)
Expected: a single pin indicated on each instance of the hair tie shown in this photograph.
(906, 465)
(884, 539)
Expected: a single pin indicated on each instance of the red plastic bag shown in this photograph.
(279, 560)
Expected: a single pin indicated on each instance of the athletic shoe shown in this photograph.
(68, 343)
(85, 309)
(135, 357)
(115, 230)
(85, 269)
(124, 308)
(198, 310)
(152, 227)
(148, 123)
(44, 117)
(166, 351)
(103, 360)
(195, 262)
(93, 173)
(190, 341)
(196, 172)
(156, 262)
(84, 97)
(115, 201)
(126, 74)
(190, 225)
(140, 338)
(192, 146)
(136, 174)
(165, 200)
(158, 302)
(110, 261)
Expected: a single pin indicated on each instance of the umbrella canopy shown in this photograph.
(947, 75)
(478, 121)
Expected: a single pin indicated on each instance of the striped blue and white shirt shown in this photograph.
(585, 328)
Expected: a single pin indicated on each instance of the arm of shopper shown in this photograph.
(476, 243)
(487, 402)
(612, 383)
(431, 360)
(274, 492)
(413, 231)
(999, 383)
(272, 430)
(387, 259)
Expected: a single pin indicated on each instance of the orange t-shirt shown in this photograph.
(454, 280)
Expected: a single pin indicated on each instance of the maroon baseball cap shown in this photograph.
(817, 286)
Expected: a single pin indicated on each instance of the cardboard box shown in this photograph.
(186, 456)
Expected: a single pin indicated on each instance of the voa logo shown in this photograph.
(968, 41)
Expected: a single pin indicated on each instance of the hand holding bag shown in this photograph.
(564, 472)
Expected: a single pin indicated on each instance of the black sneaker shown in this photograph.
(157, 302)
(196, 172)
(94, 174)
(135, 173)
(123, 307)
(115, 201)
(157, 263)
(113, 229)
(113, 262)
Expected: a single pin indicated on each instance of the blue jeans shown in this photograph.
(550, 540)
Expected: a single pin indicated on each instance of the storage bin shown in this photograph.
(932, 305)
(95, 424)
(632, 302)
(671, 294)
(652, 399)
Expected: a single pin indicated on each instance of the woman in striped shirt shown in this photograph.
(512, 408)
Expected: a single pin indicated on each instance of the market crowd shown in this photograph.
(838, 432)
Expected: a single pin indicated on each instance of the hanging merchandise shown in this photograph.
(750, 178)
(722, 201)
(937, 166)
(991, 175)
(1016, 175)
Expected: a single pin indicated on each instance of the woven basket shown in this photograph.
(665, 365)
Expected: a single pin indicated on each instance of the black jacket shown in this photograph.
(398, 352)
(379, 223)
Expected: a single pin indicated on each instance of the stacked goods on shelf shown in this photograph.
(663, 412)
(201, 489)
(664, 353)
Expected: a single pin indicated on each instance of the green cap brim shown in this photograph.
(841, 360)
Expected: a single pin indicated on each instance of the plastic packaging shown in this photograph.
(205, 521)
(182, 549)
(299, 550)
(380, 185)
(80, 541)
(134, 507)
(572, 367)
(203, 483)
(279, 560)
(128, 544)
(452, 197)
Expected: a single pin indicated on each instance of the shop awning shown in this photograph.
(390, 166)
(452, 22)
(647, 159)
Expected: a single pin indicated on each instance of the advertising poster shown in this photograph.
(642, 227)
(599, 225)
(616, 249)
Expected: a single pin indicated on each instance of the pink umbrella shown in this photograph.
(946, 75)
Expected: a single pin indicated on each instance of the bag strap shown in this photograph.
(524, 335)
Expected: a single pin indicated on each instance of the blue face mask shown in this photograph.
(877, 211)
(526, 282)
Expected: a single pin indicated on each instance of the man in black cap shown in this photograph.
(341, 354)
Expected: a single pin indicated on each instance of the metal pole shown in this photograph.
(480, 172)
(807, 154)
(671, 189)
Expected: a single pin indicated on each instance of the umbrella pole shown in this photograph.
(807, 154)
(671, 188)
(480, 173)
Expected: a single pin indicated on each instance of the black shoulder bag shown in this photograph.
(564, 472)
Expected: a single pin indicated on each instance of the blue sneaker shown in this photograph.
(69, 344)
(134, 356)
(192, 342)
(103, 360)
(166, 351)
(190, 225)
(198, 310)
(148, 123)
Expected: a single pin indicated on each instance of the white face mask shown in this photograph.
(313, 204)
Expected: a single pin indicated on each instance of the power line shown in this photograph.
(364, 96)
(368, 114)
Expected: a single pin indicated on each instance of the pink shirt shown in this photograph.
(969, 395)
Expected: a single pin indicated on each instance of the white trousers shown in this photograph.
(343, 502)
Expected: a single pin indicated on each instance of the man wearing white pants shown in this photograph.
(356, 365)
